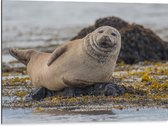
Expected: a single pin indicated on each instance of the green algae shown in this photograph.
(20, 93)
(15, 81)
(146, 78)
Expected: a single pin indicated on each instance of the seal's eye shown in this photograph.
(101, 31)
(113, 34)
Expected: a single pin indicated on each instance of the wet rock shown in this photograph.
(5, 67)
(108, 89)
(138, 43)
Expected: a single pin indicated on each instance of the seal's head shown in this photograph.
(103, 43)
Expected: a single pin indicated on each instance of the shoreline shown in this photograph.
(147, 82)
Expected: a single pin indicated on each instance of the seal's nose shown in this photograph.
(105, 42)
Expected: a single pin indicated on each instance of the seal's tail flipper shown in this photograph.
(22, 55)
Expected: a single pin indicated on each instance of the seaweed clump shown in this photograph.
(138, 43)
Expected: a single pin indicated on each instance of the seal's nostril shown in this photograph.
(101, 31)
(113, 34)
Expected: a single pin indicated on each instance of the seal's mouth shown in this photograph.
(106, 45)
(106, 42)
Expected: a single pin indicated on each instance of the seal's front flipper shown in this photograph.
(57, 52)
(22, 55)
(36, 94)
(39, 94)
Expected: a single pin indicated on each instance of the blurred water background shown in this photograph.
(30, 24)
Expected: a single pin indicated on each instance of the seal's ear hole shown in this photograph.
(113, 34)
(101, 31)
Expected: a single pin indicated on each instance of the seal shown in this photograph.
(77, 63)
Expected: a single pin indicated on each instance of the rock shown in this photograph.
(138, 43)
(108, 89)
(5, 67)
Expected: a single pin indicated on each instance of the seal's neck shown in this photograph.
(92, 49)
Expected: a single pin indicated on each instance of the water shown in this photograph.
(65, 14)
(32, 23)
(144, 114)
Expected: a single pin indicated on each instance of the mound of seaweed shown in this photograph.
(138, 43)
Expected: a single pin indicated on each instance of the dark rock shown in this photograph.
(108, 89)
(138, 43)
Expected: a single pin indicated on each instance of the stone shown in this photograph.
(109, 89)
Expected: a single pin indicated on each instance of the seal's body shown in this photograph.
(77, 63)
